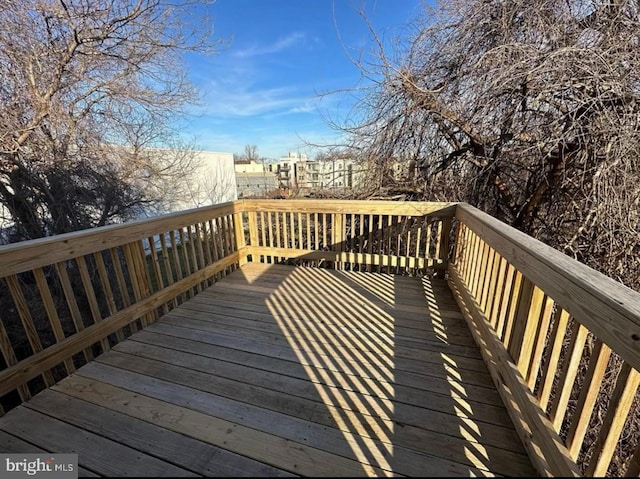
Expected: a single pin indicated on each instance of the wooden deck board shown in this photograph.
(280, 371)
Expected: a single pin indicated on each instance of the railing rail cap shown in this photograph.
(609, 309)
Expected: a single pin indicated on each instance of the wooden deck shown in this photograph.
(279, 371)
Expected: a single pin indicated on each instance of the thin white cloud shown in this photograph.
(281, 44)
(242, 100)
(306, 107)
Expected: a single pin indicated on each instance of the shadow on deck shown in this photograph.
(278, 370)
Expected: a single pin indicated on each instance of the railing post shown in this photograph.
(238, 231)
(338, 236)
(442, 252)
(253, 231)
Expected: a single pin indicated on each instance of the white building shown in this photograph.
(213, 181)
(309, 174)
(286, 169)
(256, 185)
(244, 166)
(336, 174)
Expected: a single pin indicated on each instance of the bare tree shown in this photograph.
(86, 88)
(527, 109)
(250, 154)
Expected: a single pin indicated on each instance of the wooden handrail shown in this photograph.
(519, 297)
(28, 255)
(381, 207)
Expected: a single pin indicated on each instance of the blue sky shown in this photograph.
(263, 87)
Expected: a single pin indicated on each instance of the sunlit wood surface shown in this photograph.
(278, 371)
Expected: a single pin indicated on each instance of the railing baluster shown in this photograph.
(192, 253)
(512, 309)
(272, 259)
(470, 262)
(122, 284)
(129, 256)
(91, 298)
(308, 227)
(524, 342)
(398, 250)
(27, 321)
(167, 264)
(237, 239)
(539, 342)
(353, 249)
(205, 253)
(497, 292)
(225, 233)
(551, 365)
(72, 304)
(278, 237)
(253, 233)
(337, 239)
(263, 232)
(157, 270)
(301, 241)
(460, 260)
(292, 230)
(444, 235)
(215, 240)
(568, 375)
(428, 238)
(588, 395)
(198, 244)
(370, 230)
(418, 255)
(617, 411)
(278, 243)
(489, 274)
(10, 358)
(473, 260)
(141, 261)
(476, 282)
(502, 313)
(380, 243)
(52, 314)
(407, 255)
(106, 288)
(285, 231)
(186, 265)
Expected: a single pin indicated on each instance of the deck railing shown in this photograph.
(549, 329)
(547, 326)
(68, 298)
(384, 236)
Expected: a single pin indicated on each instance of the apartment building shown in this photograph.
(287, 169)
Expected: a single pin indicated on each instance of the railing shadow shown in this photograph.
(402, 384)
